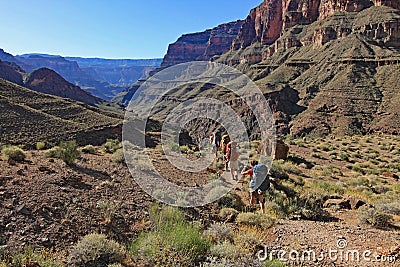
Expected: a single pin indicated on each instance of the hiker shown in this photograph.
(259, 183)
(232, 155)
(215, 139)
(213, 144)
(224, 146)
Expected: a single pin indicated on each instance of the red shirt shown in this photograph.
(249, 172)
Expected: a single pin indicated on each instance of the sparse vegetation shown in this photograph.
(89, 149)
(173, 242)
(95, 250)
(250, 218)
(112, 145)
(40, 145)
(13, 153)
(118, 156)
(67, 151)
(375, 217)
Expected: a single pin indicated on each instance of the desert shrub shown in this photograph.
(40, 145)
(278, 170)
(224, 250)
(328, 187)
(185, 149)
(118, 156)
(95, 250)
(374, 216)
(226, 213)
(250, 218)
(106, 209)
(67, 151)
(89, 149)
(54, 152)
(219, 233)
(307, 205)
(30, 257)
(231, 200)
(70, 152)
(112, 145)
(173, 242)
(13, 153)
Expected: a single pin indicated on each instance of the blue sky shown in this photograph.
(109, 28)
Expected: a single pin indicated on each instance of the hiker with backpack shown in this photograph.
(225, 139)
(232, 155)
(259, 184)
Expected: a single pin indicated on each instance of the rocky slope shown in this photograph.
(11, 72)
(27, 117)
(50, 82)
(202, 45)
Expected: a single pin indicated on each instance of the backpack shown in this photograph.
(260, 178)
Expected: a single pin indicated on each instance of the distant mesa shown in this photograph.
(104, 78)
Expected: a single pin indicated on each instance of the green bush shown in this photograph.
(54, 152)
(374, 217)
(226, 213)
(13, 153)
(118, 156)
(173, 241)
(185, 149)
(112, 145)
(89, 149)
(70, 152)
(95, 250)
(67, 151)
(40, 145)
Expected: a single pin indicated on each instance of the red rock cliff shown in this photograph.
(266, 22)
(203, 45)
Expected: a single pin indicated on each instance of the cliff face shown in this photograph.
(49, 82)
(203, 45)
(266, 22)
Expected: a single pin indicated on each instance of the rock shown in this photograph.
(73, 180)
(23, 210)
(202, 45)
(281, 150)
(340, 203)
(356, 203)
